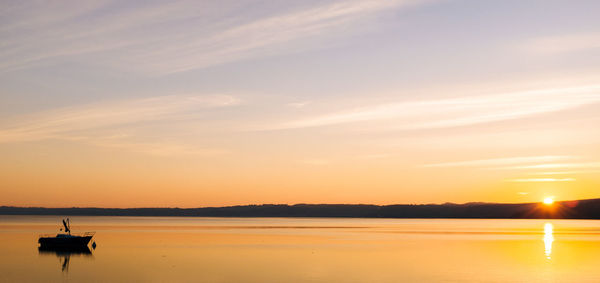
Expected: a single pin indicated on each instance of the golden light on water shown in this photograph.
(548, 239)
(549, 200)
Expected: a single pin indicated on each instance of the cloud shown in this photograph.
(527, 163)
(543, 180)
(55, 123)
(501, 161)
(102, 123)
(566, 172)
(185, 36)
(459, 111)
(315, 161)
(554, 166)
(550, 45)
(300, 104)
(167, 149)
(254, 38)
(373, 156)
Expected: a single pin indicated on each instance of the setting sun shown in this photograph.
(548, 200)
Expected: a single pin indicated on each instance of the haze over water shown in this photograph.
(161, 249)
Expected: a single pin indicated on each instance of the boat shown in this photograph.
(65, 240)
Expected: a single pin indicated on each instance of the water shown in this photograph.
(177, 249)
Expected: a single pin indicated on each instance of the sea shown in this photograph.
(201, 249)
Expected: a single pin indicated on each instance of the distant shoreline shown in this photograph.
(579, 209)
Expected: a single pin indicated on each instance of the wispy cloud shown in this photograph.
(459, 111)
(555, 165)
(565, 172)
(122, 39)
(300, 104)
(543, 180)
(527, 163)
(102, 123)
(157, 148)
(373, 156)
(254, 38)
(550, 45)
(315, 161)
(501, 161)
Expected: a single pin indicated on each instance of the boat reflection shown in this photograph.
(64, 254)
(548, 239)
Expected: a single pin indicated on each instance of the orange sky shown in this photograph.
(193, 104)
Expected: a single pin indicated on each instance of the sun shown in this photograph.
(549, 200)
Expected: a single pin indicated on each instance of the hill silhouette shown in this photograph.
(579, 209)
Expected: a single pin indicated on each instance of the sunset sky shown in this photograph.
(210, 103)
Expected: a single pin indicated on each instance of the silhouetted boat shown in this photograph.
(65, 240)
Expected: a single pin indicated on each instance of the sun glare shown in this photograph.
(548, 200)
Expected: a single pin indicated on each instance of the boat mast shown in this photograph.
(67, 225)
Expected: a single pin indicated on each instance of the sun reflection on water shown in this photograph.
(548, 239)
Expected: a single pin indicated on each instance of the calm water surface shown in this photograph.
(173, 249)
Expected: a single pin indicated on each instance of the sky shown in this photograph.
(213, 103)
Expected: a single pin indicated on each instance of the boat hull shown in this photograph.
(64, 242)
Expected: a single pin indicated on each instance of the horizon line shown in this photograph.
(295, 204)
